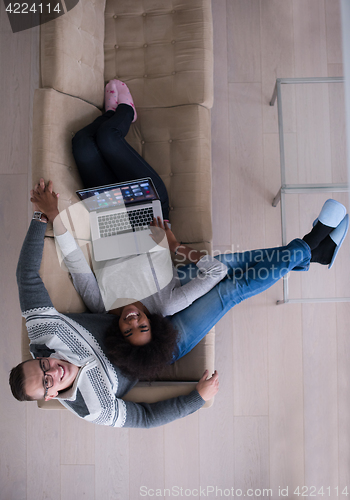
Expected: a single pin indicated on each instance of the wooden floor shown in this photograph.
(281, 418)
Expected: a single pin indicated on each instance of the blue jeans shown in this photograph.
(249, 273)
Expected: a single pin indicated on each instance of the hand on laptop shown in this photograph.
(160, 228)
(182, 251)
(45, 199)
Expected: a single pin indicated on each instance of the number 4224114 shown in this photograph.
(310, 491)
(24, 8)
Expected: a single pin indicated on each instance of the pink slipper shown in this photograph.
(111, 96)
(124, 96)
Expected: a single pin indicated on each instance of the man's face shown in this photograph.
(62, 372)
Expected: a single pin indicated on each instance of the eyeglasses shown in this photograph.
(48, 380)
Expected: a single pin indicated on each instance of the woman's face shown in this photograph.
(134, 325)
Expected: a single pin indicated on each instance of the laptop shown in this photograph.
(119, 218)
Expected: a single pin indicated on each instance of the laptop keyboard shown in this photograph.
(124, 222)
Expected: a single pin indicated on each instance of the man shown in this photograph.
(69, 362)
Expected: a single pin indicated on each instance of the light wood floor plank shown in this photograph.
(216, 424)
(181, 453)
(337, 132)
(286, 410)
(272, 184)
(291, 158)
(243, 38)
(43, 447)
(220, 131)
(343, 359)
(250, 358)
(313, 133)
(78, 481)
(277, 55)
(246, 158)
(15, 101)
(251, 455)
(147, 455)
(77, 440)
(335, 70)
(13, 471)
(333, 31)
(112, 465)
(310, 48)
(320, 394)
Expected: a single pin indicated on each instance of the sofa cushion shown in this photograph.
(72, 53)
(162, 49)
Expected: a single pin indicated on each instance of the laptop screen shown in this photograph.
(118, 195)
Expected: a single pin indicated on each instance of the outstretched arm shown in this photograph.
(209, 272)
(156, 414)
(83, 279)
(31, 289)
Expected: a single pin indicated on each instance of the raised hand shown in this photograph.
(45, 199)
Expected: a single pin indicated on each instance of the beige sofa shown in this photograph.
(163, 50)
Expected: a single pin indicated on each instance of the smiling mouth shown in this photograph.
(62, 372)
(132, 314)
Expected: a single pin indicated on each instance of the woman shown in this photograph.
(141, 341)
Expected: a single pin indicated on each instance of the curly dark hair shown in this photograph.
(143, 361)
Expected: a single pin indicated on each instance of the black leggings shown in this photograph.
(104, 157)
